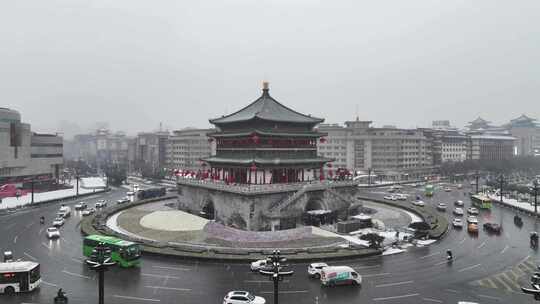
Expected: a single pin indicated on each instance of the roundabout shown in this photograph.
(487, 268)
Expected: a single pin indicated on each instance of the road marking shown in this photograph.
(443, 262)
(524, 259)
(429, 255)
(397, 297)
(528, 263)
(29, 225)
(491, 283)
(504, 249)
(77, 261)
(47, 283)
(394, 284)
(46, 246)
(159, 276)
(172, 268)
(76, 274)
(135, 298)
(367, 267)
(265, 281)
(168, 288)
(375, 275)
(503, 283)
(469, 268)
(432, 300)
(526, 267)
(31, 257)
(15, 239)
(482, 245)
(287, 291)
(488, 297)
(40, 231)
(452, 290)
(462, 241)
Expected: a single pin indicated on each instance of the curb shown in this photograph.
(38, 204)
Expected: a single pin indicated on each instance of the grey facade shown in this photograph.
(150, 150)
(26, 155)
(186, 148)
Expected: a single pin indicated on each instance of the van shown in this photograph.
(340, 275)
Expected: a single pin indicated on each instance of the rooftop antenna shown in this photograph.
(357, 117)
(160, 126)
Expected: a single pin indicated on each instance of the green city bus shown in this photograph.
(481, 201)
(124, 253)
(429, 190)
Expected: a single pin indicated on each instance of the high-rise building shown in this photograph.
(186, 148)
(151, 151)
(26, 155)
(526, 130)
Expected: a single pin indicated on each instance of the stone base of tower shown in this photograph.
(266, 207)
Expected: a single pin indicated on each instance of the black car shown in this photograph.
(492, 227)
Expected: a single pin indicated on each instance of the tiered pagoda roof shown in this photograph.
(523, 121)
(269, 109)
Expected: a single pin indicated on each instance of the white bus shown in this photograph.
(19, 277)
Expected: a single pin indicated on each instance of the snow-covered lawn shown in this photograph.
(93, 183)
(513, 202)
(11, 202)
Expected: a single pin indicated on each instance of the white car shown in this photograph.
(459, 203)
(124, 199)
(472, 211)
(260, 265)
(401, 197)
(471, 219)
(441, 207)
(53, 233)
(101, 204)
(129, 193)
(59, 221)
(81, 206)
(66, 211)
(419, 203)
(458, 211)
(448, 189)
(242, 297)
(457, 222)
(390, 197)
(88, 211)
(314, 269)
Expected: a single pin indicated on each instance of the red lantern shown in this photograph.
(203, 164)
(255, 138)
(253, 167)
(322, 140)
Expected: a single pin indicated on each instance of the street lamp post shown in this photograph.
(501, 183)
(477, 177)
(100, 261)
(276, 274)
(369, 176)
(77, 178)
(535, 189)
(32, 184)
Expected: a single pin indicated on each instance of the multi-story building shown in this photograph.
(526, 130)
(490, 147)
(151, 151)
(186, 148)
(103, 148)
(391, 152)
(25, 155)
(453, 146)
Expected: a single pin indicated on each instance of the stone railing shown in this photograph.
(250, 189)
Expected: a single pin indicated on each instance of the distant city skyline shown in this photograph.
(399, 63)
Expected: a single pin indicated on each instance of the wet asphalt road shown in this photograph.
(420, 275)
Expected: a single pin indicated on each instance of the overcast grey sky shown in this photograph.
(134, 63)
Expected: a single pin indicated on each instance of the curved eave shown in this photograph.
(264, 133)
(313, 120)
(260, 161)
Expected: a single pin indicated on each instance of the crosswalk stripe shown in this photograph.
(503, 283)
(515, 275)
(530, 264)
(512, 282)
(524, 267)
(519, 271)
(491, 284)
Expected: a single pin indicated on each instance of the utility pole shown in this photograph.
(100, 261)
(535, 189)
(369, 177)
(477, 176)
(77, 183)
(501, 183)
(276, 274)
(32, 183)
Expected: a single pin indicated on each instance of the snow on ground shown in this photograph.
(93, 183)
(513, 202)
(173, 220)
(11, 202)
(414, 218)
(390, 251)
(425, 242)
(113, 224)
